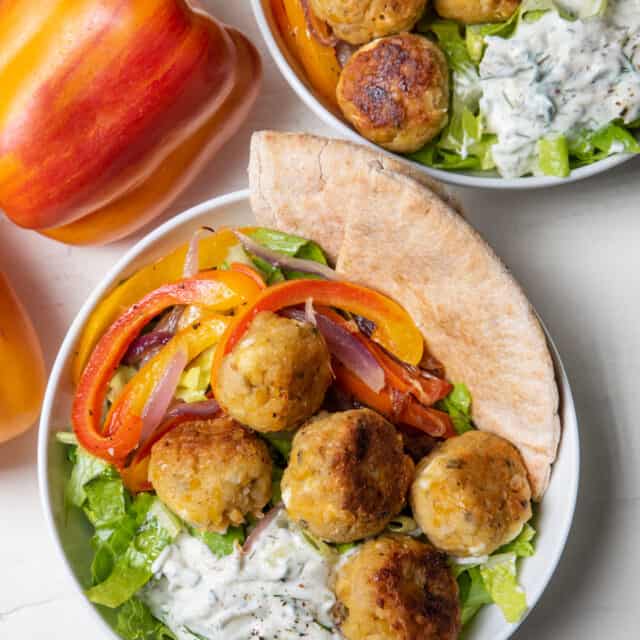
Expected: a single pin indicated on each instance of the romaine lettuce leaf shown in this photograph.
(494, 580)
(458, 405)
(553, 156)
(289, 245)
(591, 146)
(106, 503)
(194, 381)
(132, 570)
(135, 622)
(221, 544)
(500, 578)
(85, 469)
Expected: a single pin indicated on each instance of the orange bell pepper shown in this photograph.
(212, 252)
(394, 328)
(215, 290)
(22, 380)
(111, 107)
(126, 414)
(318, 61)
(408, 410)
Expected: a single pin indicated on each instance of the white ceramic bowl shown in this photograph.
(71, 532)
(296, 77)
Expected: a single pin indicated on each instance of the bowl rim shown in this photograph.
(459, 178)
(45, 429)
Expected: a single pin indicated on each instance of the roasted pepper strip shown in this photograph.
(394, 328)
(318, 61)
(126, 414)
(426, 389)
(212, 250)
(248, 271)
(404, 410)
(216, 290)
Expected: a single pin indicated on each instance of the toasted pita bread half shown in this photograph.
(393, 233)
(292, 173)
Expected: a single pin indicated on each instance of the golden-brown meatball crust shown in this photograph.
(395, 91)
(471, 494)
(360, 21)
(276, 376)
(476, 11)
(397, 588)
(347, 475)
(211, 472)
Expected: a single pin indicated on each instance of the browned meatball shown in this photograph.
(471, 494)
(475, 12)
(397, 588)
(347, 475)
(395, 91)
(212, 473)
(360, 21)
(276, 376)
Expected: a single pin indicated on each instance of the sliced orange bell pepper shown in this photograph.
(427, 390)
(394, 328)
(249, 271)
(22, 377)
(409, 411)
(213, 250)
(216, 290)
(318, 61)
(125, 415)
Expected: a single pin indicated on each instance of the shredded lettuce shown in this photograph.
(553, 156)
(591, 146)
(495, 580)
(132, 570)
(458, 405)
(221, 544)
(85, 469)
(282, 442)
(118, 382)
(136, 622)
(194, 381)
(464, 144)
(288, 245)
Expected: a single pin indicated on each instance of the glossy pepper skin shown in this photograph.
(22, 372)
(112, 108)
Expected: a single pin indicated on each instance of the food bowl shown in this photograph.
(296, 78)
(71, 532)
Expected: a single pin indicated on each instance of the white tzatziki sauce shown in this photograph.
(278, 590)
(559, 77)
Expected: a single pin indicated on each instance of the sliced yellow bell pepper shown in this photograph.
(213, 250)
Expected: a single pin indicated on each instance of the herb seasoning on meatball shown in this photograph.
(471, 494)
(212, 473)
(276, 377)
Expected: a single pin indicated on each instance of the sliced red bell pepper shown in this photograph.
(215, 290)
(399, 407)
(394, 328)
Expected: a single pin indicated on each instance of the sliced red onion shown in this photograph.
(192, 259)
(310, 19)
(347, 349)
(366, 326)
(169, 322)
(344, 51)
(162, 395)
(309, 312)
(143, 345)
(278, 260)
(203, 409)
(269, 517)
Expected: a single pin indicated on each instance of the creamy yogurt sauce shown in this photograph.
(555, 76)
(279, 590)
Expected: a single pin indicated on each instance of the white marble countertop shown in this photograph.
(576, 251)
